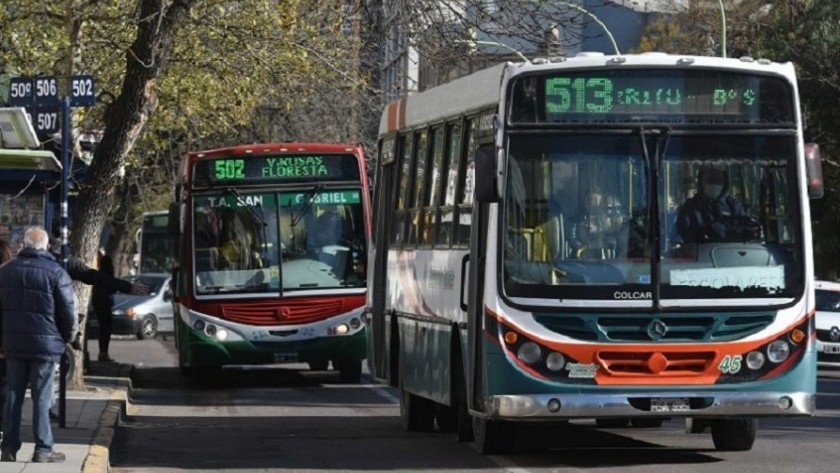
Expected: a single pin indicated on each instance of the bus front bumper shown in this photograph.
(547, 407)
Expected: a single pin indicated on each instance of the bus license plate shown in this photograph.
(669, 404)
(833, 349)
(285, 357)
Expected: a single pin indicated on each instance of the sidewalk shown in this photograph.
(91, 418)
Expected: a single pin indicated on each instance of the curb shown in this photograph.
(98, 457)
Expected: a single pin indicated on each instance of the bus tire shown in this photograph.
(612, 423)
(734, 435)
(493, 437)
(416, 413)
(446, 418)
(646, 422)
(207, 375)
(349, 370)
(318, 365)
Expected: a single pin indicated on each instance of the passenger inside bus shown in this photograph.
(326, 239)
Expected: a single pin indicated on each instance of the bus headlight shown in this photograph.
(355, 323)
(555, 361)
(199, 325)
(778, 351)
(529, 352)
(222, 334)
(755, 360)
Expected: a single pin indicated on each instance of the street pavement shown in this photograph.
(91, 418)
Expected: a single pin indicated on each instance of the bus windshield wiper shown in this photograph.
(654, 163)
(257, 216)
(309, 197)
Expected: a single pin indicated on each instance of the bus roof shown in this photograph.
(483, 88)
(465, 94)
(286, 147)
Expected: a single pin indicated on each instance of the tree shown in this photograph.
(193, 75)
(806, 33)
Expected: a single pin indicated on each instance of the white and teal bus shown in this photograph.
(544, 250)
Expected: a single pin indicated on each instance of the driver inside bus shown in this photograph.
(707, 215)
(601, 231)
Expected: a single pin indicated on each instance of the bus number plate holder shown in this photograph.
(669, 404)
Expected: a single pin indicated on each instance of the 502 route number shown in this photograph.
(82, 86)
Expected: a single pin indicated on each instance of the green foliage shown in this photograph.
(804, 32)
(230, 62)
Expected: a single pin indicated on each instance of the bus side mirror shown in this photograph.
(174, 222)
(814, 171)
(485, 175)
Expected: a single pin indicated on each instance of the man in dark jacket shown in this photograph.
(38, 319)
(706, 216)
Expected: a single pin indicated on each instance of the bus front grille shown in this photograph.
(289, 313)
(655, 363)
(637, 328)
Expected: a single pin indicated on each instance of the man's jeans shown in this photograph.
(40, 375)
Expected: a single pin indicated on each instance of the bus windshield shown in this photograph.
(277, 242)
(657, 216)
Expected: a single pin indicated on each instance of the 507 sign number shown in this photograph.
(46, 122)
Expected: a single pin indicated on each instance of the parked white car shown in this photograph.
(142, 316)
(828, 323)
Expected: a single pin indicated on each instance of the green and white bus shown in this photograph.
(271, 257)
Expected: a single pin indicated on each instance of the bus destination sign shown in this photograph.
(652, 96)
(257, 169)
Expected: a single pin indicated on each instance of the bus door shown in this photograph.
(383, 201)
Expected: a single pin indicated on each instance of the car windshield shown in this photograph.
(306, 239)
(828, 300)
(585, 213)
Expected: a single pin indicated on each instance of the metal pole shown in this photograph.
(66, 163)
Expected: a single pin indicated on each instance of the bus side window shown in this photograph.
(401, 211)
(419, 183)
(433, 180)
(450, 183)
(467, 186)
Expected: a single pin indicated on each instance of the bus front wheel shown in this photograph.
(734, 435)
(349, 370)
(493, 437)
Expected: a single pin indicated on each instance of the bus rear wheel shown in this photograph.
(734, 435)
(416, 413)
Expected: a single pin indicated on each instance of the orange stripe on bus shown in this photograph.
(687, 363)
(402, 112)
(392, 116)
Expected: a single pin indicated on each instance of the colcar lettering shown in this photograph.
(632, 295)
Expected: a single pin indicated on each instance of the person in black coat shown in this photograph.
(102, 301)
(37, 320)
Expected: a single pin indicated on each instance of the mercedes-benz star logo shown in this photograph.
(834, 334)
(657, 329)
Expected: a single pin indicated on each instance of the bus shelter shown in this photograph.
(30, 192)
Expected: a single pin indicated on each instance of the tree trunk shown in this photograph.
(158, 24)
